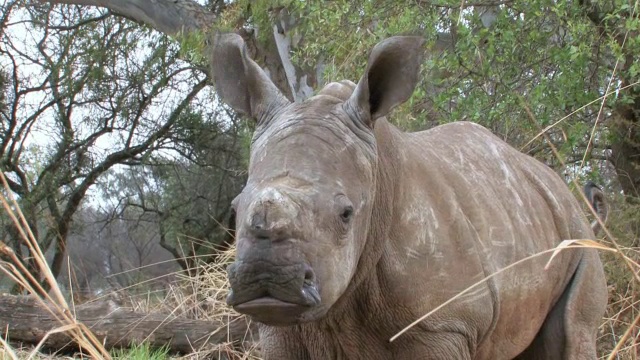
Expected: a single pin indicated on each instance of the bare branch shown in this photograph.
(167, 16)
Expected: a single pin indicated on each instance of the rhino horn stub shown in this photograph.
(272, 215)
(341, 90)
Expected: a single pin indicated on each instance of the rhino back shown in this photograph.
(468, 206)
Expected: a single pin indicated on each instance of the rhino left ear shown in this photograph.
(240, 82)
(390, 77)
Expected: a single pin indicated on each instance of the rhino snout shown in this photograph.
(270, 293)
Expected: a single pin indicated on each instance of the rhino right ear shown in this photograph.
(390, 77)
(240, 82)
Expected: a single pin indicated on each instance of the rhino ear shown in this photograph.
(240, 82)
(390, 77)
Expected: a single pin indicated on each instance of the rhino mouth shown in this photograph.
(271, 311)
(272, 302)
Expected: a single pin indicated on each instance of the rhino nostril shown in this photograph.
(309, 276)
(310, 287)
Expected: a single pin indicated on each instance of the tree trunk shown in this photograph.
(625, 146)
(172, 17)
(23, 319)
(625, 154)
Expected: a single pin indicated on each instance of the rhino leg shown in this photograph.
(435, 346)
(570, 330)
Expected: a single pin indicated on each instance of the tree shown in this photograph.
(618, 22)
(113, 254)
(497, 55)
(189, 197)
(74, 111)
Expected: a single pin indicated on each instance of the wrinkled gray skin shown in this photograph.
(349, 229)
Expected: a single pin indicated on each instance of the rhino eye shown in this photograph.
(346, 213)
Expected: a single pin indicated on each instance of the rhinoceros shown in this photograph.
(349, 229)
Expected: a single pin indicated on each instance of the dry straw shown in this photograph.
(53, 301)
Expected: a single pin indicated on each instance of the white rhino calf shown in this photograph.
(349, 229)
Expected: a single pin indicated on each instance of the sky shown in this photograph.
(45, 133)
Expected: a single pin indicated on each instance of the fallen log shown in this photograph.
(23, 319)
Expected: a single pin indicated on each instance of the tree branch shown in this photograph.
(78, 194)
(167, 16)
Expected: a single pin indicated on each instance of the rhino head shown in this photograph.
(303, 218)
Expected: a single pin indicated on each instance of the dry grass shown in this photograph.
(618, 337)
(19, 273)
(203, 297)
(200, 297)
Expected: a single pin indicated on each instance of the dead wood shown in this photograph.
(23, 319)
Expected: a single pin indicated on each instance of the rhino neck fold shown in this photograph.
(388, 179)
